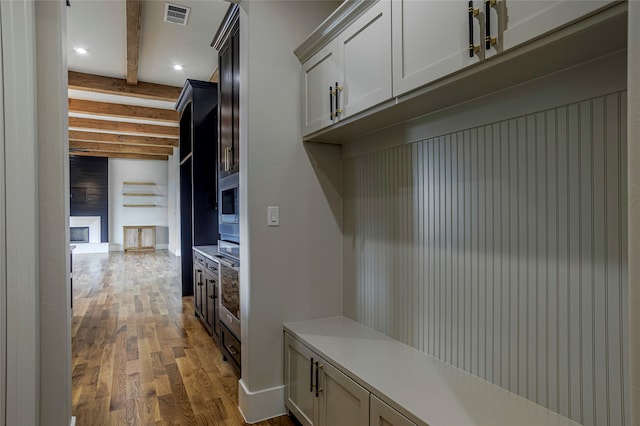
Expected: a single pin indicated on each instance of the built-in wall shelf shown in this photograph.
(132, 191)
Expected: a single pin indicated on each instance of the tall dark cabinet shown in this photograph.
(227, 42)
(197, 105)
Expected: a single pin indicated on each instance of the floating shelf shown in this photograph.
(138, 189)
(139, 205)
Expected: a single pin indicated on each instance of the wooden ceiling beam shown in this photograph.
(124, 127)
(118, 147)
(119, 155)
(134, 22)
(123, 111)
(79, 135)
(118, 86)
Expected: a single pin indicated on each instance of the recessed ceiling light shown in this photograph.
(80, 50)
(177, 67)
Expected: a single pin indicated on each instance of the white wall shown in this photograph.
(293, 271)
(121, 170)
(633, 73)
(173, 198)
(501, 248)
(53, 214)
(21, 202)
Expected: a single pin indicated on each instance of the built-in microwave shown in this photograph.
(229, 208)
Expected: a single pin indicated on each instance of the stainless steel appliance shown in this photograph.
(229, 208)
(230, 294)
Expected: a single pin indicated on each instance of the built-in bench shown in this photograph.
(424, 390)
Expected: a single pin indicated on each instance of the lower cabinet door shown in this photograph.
(299, 371)
(342, 401)
(383, 415)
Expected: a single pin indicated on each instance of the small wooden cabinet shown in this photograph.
(139, 238)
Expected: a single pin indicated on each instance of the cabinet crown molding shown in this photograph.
(341, 18)
(230, 18)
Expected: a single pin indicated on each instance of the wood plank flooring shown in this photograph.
(140, 357)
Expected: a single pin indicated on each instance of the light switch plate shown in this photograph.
(273, 216)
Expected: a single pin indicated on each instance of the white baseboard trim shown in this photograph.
(261, 405)
(73, 421)
(175, 252)
(162, 246)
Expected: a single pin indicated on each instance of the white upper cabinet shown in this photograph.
(523, 20)
(364, 53)
(431, 40)
(319, 73)
(351, 73)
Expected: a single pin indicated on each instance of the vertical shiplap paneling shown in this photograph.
(502, 250)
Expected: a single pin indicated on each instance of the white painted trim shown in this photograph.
(73, 421)
(633, 175)
(3, 259)
(23, 366)
(261, 405)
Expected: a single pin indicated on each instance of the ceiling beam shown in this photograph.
(118, 86)
(117, 147)
(124, 127)
(123, 111)
(134, 22)
(119, 155)
(123, 139)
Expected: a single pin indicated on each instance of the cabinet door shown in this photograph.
(131, 238)
(319, 74)
(430, 40)
(364, 61)
(342, 401)
(226, 107)
(527, 19)
(148, 237)
(383, 415)
(299, 372)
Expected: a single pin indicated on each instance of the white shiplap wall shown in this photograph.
(502, 249)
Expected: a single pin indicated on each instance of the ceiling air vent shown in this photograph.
(176, 14)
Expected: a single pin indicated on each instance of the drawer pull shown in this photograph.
(311, 375)
(232, 350)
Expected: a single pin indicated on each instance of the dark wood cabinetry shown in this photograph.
(197, 105)
(227, 42)
(206, 292)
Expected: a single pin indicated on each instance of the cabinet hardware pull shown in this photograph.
(311, 375)
(331, 102)
(338, 110)
(489, 41)
(318, 388)
(232, 350)
(473, 48)
(211, 296)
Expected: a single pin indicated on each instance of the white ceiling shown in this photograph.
(100, 27)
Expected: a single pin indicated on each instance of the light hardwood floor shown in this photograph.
(140, 357)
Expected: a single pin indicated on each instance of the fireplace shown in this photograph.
(79, 234)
